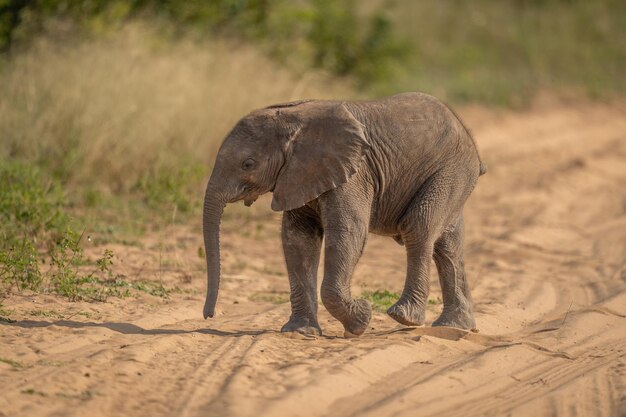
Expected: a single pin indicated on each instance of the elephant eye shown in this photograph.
(248, 163)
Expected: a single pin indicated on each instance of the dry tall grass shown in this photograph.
(106, 112)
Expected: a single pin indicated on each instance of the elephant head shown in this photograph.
(296, 150)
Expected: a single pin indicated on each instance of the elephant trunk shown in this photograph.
(213, 208)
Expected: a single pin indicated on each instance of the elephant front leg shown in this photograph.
(344, 246)
(302, 240)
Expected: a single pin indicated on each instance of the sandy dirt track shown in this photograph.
(545, 255)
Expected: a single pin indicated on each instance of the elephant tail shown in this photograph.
(483, 169)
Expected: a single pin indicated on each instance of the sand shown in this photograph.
(545, 255)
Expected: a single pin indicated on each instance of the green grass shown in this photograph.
(56, 315)
(153, 288)
(96, 289)
(45, 313)
(83, 395)
(381, 300)
(273, 297)
(46, 362)
(31, 391)
(5, 313)
(172, 188)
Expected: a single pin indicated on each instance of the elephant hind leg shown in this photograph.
(410, 309)
(457, 300)
(436, 204)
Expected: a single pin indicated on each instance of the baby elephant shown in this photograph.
(401, 167)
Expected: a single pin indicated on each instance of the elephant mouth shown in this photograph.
(246, 200)
(249, 200)
(248, 194)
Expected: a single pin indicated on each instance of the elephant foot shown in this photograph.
(350, 335)
(461, 318)
(361, 312)
(303, 326)
(407, 313)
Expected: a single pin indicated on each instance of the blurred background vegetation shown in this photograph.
(111, 111)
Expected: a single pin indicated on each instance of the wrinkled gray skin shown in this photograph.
(402, 167)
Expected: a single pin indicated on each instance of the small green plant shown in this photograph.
(275, 297)
(14, 364)
(153, 288)
(381, 299)
(65, 258)
(45, 362)
(85, 314)
(46, 313)
(268, 270)
(435, 301)
(4, 315)
(31, 391)
(67, 278)
(19, 264)
(106, 262)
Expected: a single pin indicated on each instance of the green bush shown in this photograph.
(35, 229)
(504, 52)
(325, 34)
(347, 44)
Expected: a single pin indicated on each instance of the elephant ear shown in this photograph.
(326, 147)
